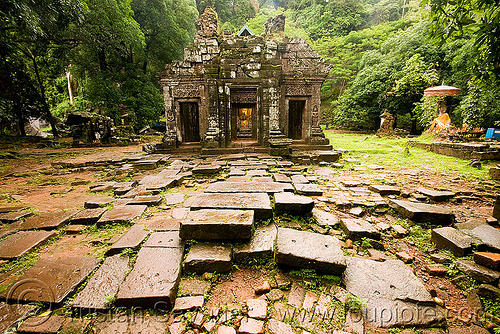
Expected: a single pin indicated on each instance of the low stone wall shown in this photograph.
(466, 151)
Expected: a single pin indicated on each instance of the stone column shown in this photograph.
(170, 138)
(278, 143)
(317, 135)
(212, 135)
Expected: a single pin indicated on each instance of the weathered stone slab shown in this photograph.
(103, 284)
(279, 177)
(207, 224)
(489, 236)
(11, 314)
(299, 179)
(251, 326)
(292, 204)
(47, 220)
(138, 191)
(160, 182)
(260, 245)
(131, 239)
(489, 260)
(356, 229)
(98, 202)
(350, 183)
(194, 286)
(102, 186)
(208, 258)
(478, 272)
(383, 189)
(248, 187)
(296, 296)
(11, 217)
(421, 212)
(122, 213)
(184, 304)
(436, 195)
(324, 218)
(146, 200)
(257, 172)
(173, 198)
(278, 327)
(308, 189)
(51, 280)
(451, 239)
(236, 172)
(124, 323)
(258, 202)
(88, 216)
(20, 243)
(394, 295)
(309, 250)
(13, 208)
(153, 280)
(262, 179)
(206, 169)
(238, 179)
(168, 239)
(46, 324)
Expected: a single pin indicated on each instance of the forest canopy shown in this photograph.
(103, 56)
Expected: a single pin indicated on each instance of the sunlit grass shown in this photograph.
(392, 153)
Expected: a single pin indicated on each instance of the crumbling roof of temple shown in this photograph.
(245, 31)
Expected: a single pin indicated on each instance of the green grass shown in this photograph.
(390, 153)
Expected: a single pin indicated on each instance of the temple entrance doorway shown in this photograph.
(243, 121)
(295, 112)
(190, 123)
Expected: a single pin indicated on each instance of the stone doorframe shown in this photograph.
(305, 116)
(202, 117)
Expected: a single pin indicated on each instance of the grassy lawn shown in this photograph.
(391, 153)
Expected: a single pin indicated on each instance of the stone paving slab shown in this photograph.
(299, 179)
(324, 218)
(383, 189)
(13, 208)
(478, 272)
(153, 280)
(421, 212)
(169, 239)
(51, 280)
(262, 179)
(487, 259)
(436, 195)
(279, 177)
(47, 220)
(258, 202)
(453, 240)
(394, 295)
(208, 258)
(20, 243)
(138, 191)
(122, 213)
(46, 325)
(125, 324)
(238, 179)
(183, 304)
(260, 245)
(146, 200)
(11, 217)
(296, 296)
(130, 239)
(104, 283)
(160, 182)
(356, 229)
(292, 204)
(194, 286)
(11, 314)
(88, 216)
(308, 189)
(489, 236)
(209, 224)
(309, 250)
(206, 169)
(98, 202)
(173, 198)
(248, 187)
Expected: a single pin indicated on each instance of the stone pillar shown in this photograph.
(212, 135)
(170, 138)
(278, 143)
(317, 137)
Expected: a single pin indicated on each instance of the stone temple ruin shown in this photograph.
(244, 93)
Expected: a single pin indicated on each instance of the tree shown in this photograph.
(452, 19)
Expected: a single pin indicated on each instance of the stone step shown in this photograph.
(21, 243)
(390, 287)
(51, 280)
(356, 229)
(309, 250)
(47, 220)
(421, 212)
(208, 258)
(261, 245)
(209, 224)
(258, 202)
(292, 204)
(153, 281)
(249, 187)
(453, 240)
(122, 213)
(103, 284)
(132, 238)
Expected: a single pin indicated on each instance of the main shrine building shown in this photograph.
(240, 91)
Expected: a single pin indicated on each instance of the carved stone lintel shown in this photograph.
(298, 90)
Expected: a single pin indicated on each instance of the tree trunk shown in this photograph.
(45, 106)
(69, 78)
(102, 60)
(20, 119)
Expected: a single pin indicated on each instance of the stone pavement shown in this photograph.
(238, 244)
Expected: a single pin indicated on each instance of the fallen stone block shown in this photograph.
(477, 272)
(122, 213)
(421, 212)
(21, 243)
(489, 236)
(292, 204)
(384, 190)
(487, 259)
(308, 189)
(260, 245)
(98, 202)
(212, 224)
(208, 258)
(258, 202)
(130, 239)
(47, 220)
(453, 240)
(324, 218)
(436, 195)
(356, 229)
(309, 250)
(170, 239)
(88, 216)
(249, 187)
